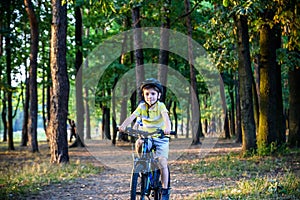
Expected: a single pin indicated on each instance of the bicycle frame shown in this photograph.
(146, 167)
(149, 173)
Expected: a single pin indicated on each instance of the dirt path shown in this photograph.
(114, 184)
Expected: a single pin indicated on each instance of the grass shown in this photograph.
(24, 173)
(255, 177)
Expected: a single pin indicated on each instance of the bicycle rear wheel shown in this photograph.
(138, 183)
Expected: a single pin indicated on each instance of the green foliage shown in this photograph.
(266, 150)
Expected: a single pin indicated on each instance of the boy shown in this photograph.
(154, 115)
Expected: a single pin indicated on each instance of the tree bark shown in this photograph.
(86, 94)
(294, 115)
(239, 138)
(60, 85)
(8, 72)
(33, 110)
(224, 108)
(114, 122)
(87, 109)
(138, 46)
(3, 116)
(281, 127)
(267, 132)
(195, 106)
(232, 110)
(79, 142)
(24, 139)
(123, 61)
(164, 47)
(175, 128)
(245, 85)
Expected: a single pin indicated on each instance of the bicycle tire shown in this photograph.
(138, 183)
(158, 184)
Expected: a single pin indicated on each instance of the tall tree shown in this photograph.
(195, 109)
(87, 108)
(34, 32)
(24, 139)
(124, 59)
(138, 46)
(164, 46)
(3, 115)
(280, 121)
(57, 127)
(294, 115)
(2, 93)
(79, 94)
(292, 31)
(224, 106)
(8, 49)
(245, 84)
(268, 124)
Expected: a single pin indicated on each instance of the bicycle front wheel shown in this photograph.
(139, 183)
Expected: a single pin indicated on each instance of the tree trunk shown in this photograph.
(114, 125)
(281, 128)
(224, 108)
(195, 108)
(123, 113)
(175, 128)
(24, 139)
(3, 98)
(232, 113)
(255, 103)
(267, 132)
(245, 85)
(79, 142)
(44, 89)
(294, 115)
(87, 113)
(255, 90)
(33, 110)
(106, 124)
(60, 85)
(3, 115)
(239, 138)
(8, 72)
(86, 102)
(164, 46)
(138, 46)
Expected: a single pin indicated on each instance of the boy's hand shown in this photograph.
(167, 131)
(122, 128)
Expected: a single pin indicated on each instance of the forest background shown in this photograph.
(253, 44)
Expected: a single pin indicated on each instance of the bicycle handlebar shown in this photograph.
(135, 133)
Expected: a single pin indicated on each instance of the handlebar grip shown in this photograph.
(173, 133)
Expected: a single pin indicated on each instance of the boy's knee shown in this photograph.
(163, 162)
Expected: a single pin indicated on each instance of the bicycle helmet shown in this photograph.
(151, 83)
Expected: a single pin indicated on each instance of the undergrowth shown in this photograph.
(255, 177)
(24, 173)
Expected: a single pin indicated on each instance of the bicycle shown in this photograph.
(145, 177)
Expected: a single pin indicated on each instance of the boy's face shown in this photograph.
(150, 96)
